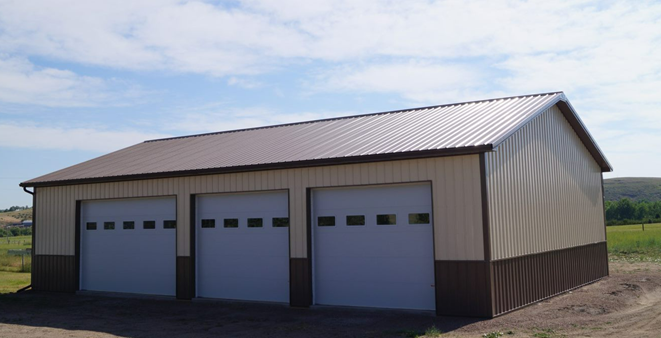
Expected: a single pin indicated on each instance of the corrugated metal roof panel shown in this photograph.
(453, 126)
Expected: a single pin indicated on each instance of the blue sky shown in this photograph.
(82, 78)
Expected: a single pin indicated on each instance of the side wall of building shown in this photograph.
(546, 216)
(544, 190)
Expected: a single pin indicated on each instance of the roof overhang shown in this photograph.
(272, 166)
(576, 123)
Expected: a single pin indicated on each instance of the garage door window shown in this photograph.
(231, 223)
(109, 225)
(419, 218)
(280, 222)
(326, 221)
(355, 220)
(169, 224)
(149, 225)
(129, 225)
(255, 222)
(208, 223)
(90, 226)
(390, 219)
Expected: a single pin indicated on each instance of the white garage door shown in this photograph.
(128, 245)
(243, 246)
(373, 247)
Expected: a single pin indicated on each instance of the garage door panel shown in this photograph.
(143, 279)
(374, 265)
(243, 263)
(248, 267)
(135, 260)
(392, 244)
(380, 269)
(249, 289)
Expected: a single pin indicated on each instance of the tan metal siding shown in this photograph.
(455, 182)
(544, 190)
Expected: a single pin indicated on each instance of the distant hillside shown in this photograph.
(634, 188)
(15, 216)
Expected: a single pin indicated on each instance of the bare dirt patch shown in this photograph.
(626, 304)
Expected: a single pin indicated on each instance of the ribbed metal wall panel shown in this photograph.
(544, 190)
(54, 273)
(455, 182)
(520, 281)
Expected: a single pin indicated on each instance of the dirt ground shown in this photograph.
(626, 304)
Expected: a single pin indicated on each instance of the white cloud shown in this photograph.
(22, 82)
(414, 80)
(220, 117)
(244, 82)
(61, 138)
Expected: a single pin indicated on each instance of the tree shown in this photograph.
(625, 209)
(642, 210)
(611, 211)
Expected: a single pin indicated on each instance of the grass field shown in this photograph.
(11, 276)
(631, 243)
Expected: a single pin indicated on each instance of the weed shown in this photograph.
(494, 334)
(544, 333)
(433, 332)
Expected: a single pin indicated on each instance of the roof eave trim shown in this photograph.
(576, 123)
(273, 166)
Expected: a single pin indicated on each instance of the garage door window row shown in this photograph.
(384, 219)
(130, 225)
(276, 222)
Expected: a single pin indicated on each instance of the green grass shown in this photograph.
(11, 277)
(631, 243)
(12, 281)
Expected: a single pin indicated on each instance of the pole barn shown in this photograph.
(470, 209)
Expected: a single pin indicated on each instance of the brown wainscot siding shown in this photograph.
(524, 280)
(54, 273)
(185, 278)
(462, 288)
(300, 285)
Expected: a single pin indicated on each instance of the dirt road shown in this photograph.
(626, 304)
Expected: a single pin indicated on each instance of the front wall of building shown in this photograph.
(455, 191)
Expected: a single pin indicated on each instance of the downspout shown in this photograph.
(34, 213)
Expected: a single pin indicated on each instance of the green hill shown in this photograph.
(17, 216)
(633, 188)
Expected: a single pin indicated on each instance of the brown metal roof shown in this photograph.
(461, 128)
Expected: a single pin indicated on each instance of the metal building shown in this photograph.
(475, 208)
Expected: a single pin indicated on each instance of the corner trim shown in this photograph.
(486, 234)
(193, 246)
(486, 230)
(78, 237)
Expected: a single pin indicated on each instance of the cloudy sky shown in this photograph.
(82, 78)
